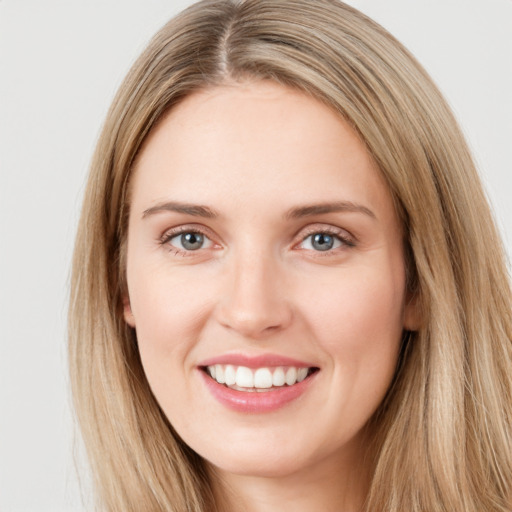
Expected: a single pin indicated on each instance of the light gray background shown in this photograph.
(60, 64)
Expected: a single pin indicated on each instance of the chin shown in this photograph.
(269, 460)
(258, 466)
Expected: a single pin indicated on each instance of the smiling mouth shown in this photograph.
(264, 379)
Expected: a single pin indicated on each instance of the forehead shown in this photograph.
(259, 139)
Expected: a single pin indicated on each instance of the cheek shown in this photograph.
(359, 326)
(169, 316)
(359, 323)
(170, 312)
(368, 303)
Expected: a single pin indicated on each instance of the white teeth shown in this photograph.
(291, 376)
(278, 379)
(219, 374)
(301, 374)
(244, 377)
(260, 379)
(230, 375)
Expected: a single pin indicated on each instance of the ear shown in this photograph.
(127, 311)
(413, 314)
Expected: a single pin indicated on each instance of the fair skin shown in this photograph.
(260, 226)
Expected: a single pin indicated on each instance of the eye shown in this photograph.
(326, 240)
(321, 242)
(189, 241)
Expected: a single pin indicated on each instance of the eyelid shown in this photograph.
(170, 233)
(347, 239)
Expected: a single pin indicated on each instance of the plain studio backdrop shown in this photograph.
(60, 64)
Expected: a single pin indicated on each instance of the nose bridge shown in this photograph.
(254, 303)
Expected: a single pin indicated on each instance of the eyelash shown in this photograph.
(346, 240)
(182, 230)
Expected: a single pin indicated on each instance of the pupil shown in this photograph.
(323, 242)
(192, 241)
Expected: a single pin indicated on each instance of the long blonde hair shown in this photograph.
(444, 431)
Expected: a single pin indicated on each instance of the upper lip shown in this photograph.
(259, 361)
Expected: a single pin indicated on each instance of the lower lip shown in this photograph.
(256, 401)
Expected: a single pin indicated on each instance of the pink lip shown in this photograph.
(254, 401)
(264, 360)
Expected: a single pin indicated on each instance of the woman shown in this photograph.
(288, 290)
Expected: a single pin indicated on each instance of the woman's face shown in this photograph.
(264, 249)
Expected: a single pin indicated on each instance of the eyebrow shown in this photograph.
(195, 210)
(295, 213)
(322, 208)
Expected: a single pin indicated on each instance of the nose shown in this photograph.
(254, 303)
